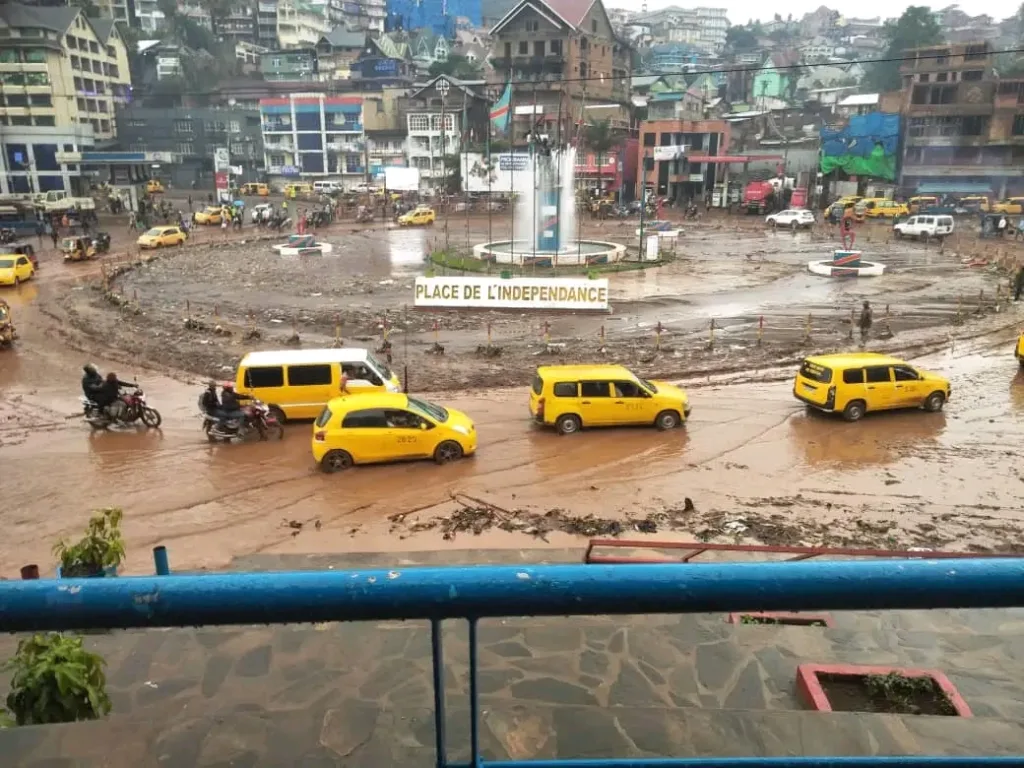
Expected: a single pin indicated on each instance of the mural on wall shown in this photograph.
(868, 145)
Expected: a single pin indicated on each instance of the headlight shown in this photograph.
(461, 429)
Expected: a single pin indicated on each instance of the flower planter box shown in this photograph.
(782, 617)
(107, 573)
(842, 688)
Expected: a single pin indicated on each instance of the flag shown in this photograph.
(501, 110)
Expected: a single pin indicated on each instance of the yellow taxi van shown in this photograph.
(255, 189)
(389, 426)
(298, 383)
(859, 382)
(570, 397)
(1018, 351)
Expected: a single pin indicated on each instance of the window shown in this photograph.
(538, 48)
(853, 376)
(941, 77)
(35, 56)
(924, 78)
(45, 121)
(81, 103)
(255, 378)
(182, 126)
(972, 75)
(905, 373)
(93, 47)
(21, 120)
(565, 389)
(40, 100)
(594, 389)
(556, 47)
(17, 100)
(309, 375)
(90, 105)
(97, 67)
(78, 83)
(627, 389)
(234, 126)
(877, 374)
(74, 62)
(532, 25)
(323, 418)
(1018, 125)
(593, 25)
(369, 418)
(398, 419)
(72, 42)
(184, 149)
(524, 47)
(508, 50)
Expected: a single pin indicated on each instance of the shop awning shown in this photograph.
(953, 187)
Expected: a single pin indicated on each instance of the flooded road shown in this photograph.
(749, 453)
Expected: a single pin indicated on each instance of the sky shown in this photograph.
(741, 11)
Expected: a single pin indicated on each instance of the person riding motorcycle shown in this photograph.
(108, 396)
(210, 403)
(91, 381)
(231, 405)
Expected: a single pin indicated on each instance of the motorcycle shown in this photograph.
(101, 242)
(135, 410)
(258, 422)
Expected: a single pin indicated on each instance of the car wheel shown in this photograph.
(568, 424)
(854, 410)
(447, 451)
(278, 414)
(667, 420)
(934, 402)
(336, 461)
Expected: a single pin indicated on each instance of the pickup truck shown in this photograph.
(58, 201)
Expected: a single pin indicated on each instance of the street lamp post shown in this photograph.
(442, 87)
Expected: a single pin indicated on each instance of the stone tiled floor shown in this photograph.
(360, 694)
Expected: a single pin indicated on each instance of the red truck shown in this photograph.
(758, 196)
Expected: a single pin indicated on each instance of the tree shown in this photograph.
(455, 66)
(740, 39)
(914, 29)
(600, 138)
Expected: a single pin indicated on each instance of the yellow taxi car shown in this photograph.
(858, 382)
(154, 186)
(884, 209)
(15, 269)
(842, 204)
(570, 397)
(918, 203)
(389, 426)
(210, 215)
(417, 217)
(158, 237)
(1009, 205)
(975, 203)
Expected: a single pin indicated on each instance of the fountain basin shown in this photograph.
(302, 245)
(828, 268)
(573, 253)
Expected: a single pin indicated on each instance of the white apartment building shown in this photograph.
(301, 24)
(704, 28)
(713, 24)
(424, 143)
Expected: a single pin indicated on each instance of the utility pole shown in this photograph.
(442, 88)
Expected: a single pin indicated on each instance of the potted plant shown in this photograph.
(55, 680)
(98, 553)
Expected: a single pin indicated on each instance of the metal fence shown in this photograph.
(472, 593)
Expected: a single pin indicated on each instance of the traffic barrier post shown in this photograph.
(711, 334)
(337, 329)
(657, 336)
(760, 330)
(602, 339)
(547, 334)
(807, 330)
(853, 323)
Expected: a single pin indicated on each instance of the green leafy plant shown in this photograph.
(55, 680)
(102, 546)
(905, 693)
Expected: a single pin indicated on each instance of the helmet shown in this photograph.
(211, 384)
(89, 368)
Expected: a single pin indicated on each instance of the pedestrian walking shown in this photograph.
(40, 231)
(52, 231)
(1018, 286)
(865, 321)
(190, 203)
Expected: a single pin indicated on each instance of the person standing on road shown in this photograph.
(847, 232)
(53, 234)
(1018, 287)
(865, 321)
(40, 231)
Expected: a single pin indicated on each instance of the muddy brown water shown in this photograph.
(750, 452)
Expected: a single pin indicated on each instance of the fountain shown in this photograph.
(302, 245)
(545, 216)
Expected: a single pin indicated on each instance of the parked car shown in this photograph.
(794, 218)
(923, 227)
(158, 237)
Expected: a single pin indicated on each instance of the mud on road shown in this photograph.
(732, 297)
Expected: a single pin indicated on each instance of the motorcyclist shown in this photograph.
(210, 403)
(91, 381)
(108, 396)
(231, 404)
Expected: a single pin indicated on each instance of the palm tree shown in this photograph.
(600, 137)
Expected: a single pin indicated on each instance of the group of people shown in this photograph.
(104, 391)
(226, 409)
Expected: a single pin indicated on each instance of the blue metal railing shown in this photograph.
(476, 592)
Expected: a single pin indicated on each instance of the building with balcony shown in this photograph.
(314, 136)
(562, 54)
(61, 77)
(239, 24)
(266, 23)
(678, 157)
(191, 135)
(964, 127)
(337, 51)
(300, 24)
(384, 63)
(442, 115)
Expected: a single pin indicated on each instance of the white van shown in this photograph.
(924, 227)
(326, 187)
(297, 383)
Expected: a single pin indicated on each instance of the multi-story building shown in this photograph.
(682, 158)
(964, 128)
(313, 135)
(441, 115)
(266, 23)
(61, 77)
(337, 51)
(239, 24)
(191, 135)
(296, 65)
(300, 23)
(121, 11)
(713, 24)
(562, 54)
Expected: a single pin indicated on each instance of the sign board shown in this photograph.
(221, 159)
(652, 248)
(557, 293)
(401, 179)
(506, 173)
(669, 153)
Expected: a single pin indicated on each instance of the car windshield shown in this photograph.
(384, 370)
(648, 384)
(6, 263)
(436, 412)
(154, 232)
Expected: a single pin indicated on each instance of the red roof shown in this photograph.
(573, 11)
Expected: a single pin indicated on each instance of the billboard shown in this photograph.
(401, 179)
(505, 173)
(867, 145)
